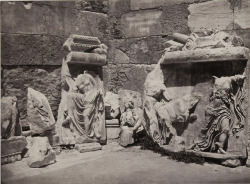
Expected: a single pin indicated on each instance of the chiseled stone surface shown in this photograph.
(241, 15)
(142, 23)
(210, 14)
(40, 153)
(21, 49)
(52, 50)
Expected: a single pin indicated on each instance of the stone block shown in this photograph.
(147, 50)
(16, 18)
(118, 7)
(145, 4)
(143, 23)
(40, 153)
(52, 51)
(115, 28)
(204, 15)
(86, 23)
(113, 132)
(113, 122)
(39, 113)
(125, 76)
(13, 145)
(241, 15)
(21, 49)
(87, 147)
(174, 19)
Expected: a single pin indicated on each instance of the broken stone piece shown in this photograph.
(39, 113)
(12, 148)
(10, 123)
(40, 153)
(87, 147)
(231, 163)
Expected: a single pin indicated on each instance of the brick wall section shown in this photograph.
(134, 30)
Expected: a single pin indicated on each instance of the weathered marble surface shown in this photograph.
(10, 120)
(41, 119)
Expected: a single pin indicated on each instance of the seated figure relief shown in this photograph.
(224, 114)
(131, 117)
(81, 114)
(83, 103)
(83, 108)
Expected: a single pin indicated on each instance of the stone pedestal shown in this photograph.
(11, 149)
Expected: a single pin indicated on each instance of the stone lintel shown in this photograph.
(86, 58)
(205, 55)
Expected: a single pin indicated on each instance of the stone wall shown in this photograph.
(135, 31)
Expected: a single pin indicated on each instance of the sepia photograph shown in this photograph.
(125, 91)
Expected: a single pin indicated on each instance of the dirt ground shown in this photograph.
(116, 165)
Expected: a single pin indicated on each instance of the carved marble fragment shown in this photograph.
(40, 152)
(225, 114)
(81, 115)
(41, 119)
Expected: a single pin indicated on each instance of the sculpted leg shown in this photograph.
(225, 126)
